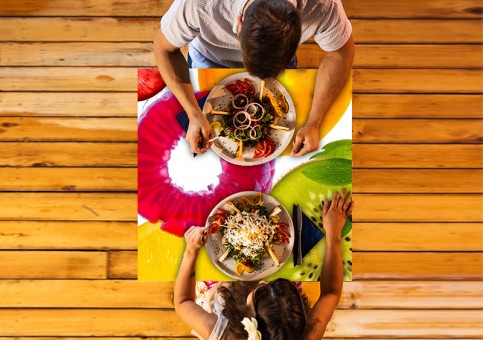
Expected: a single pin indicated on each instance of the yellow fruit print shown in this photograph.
(160, 253)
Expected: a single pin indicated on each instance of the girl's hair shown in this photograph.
(235, 308)
(280, 309)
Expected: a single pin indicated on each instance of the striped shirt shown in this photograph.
(210, 27)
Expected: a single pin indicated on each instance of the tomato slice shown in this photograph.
(260, 149)
(270, 146)
(264, 148)
(250, 87)
(214, 228)
(233, 89)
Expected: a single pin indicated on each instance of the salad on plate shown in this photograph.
(253, 119)
(248, 230)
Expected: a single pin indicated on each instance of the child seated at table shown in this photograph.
(262, 310)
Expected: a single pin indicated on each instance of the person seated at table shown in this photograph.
(262, 36)
(264, 310)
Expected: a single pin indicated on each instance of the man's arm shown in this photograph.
(175, 73)
(331, 78)
(331, 277)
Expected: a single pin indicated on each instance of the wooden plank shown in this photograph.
(99, 338)
(124, 179)
(410, 295)
(40, 154)
(417, 81)
(417, 156)
(417, 181)
(417, 208)
(417, 106)
(85, 8)
(68, 79)
(404, 324)
(125, 79)
(309, 55)
(68, 129)
(78, 54)
(138, 294)
(453, 131)
(122, 207)
(86, 294)
(401, 56)
(61, 235)
(108, 338)
(368, 9)
(125, 129)
(136, 322)
(52, 265)
(428, 237)
(417, 266)
(124, 105)
(122, 265)
(85, 322)
(413, 9)
(417, 31)
(76, 29)
(367, 265)
(68, 207)
(91, 104)
(68, 154)
(68, 179)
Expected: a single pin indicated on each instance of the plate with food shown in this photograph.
(251, 235)
(253, 120)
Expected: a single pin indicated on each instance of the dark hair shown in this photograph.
(281, 311)
(269, 37)
(235, 308)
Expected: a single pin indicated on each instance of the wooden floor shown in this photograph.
(68, 171)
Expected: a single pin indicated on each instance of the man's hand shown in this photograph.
(307, 140)
(335, 213)
(199, 133)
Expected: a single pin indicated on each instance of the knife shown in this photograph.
(298, 225)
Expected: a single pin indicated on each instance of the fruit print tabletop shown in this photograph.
(160, 251)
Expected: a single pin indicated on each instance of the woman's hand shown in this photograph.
(199, 133)
(336, 212)
(196, 238)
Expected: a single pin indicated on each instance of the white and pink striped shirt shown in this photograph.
(210, 27)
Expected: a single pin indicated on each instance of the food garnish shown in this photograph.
(248, 231)
(250, 116)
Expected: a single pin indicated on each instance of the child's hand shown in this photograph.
(335, 213)
(196, 238)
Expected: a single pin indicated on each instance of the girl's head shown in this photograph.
(278, 306)
(280, 310)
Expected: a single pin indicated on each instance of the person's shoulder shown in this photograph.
(318, 4)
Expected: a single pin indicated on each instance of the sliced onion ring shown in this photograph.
(253, 132)
(252, 110)
(242, 119)
(240, 95)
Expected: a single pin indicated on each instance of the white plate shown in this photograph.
(219, 99)
(267, 267)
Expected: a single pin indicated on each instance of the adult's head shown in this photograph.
(269, 36)
(280, 310)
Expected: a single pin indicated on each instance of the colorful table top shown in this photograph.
(292, 180)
